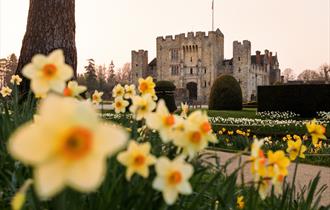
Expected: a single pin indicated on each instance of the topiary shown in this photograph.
(226, 94)
(165, 90)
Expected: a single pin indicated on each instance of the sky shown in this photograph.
(298, 30)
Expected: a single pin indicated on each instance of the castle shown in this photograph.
(194, 61)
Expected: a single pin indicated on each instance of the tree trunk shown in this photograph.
(50, 25)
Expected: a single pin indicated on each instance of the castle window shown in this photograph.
(191, 71)
(175, 70)
(174, 54)
(204, 71)
(136, 64)
(239, 58)
(204, 83)
(191, 59)
(239, 70)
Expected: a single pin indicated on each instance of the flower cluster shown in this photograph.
(268, 171)
(273, 115)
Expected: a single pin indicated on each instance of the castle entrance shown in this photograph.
(192, 90)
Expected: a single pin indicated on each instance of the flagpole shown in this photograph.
(212, 15)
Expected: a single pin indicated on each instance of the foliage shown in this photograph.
(165, 90)
(226, 94)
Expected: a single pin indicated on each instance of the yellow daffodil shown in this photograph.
(5, 91)
(294, 147)
(240, 202)
(118, 91)
(316, 131)
(184, 110)
(277, 179)
(163, 121)
(97, 97)
(73, 89)
(137, 159)
(68, 147)
(48, 72)
(230, 133)
(142, 106)
(120, 105)
(15, 80)
(147, 86)
(129, 91)
(258, 164)
(264, 188)
(19, 199)
(172, 178)
(279, 159)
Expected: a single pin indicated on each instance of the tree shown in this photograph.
(288, 74)
(324, 72)
(126, 73)
(101, 78)
(50, 25)
(90, 75)
(111, 79)
(308, 75)
(10, 67)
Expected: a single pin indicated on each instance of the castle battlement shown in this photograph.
(141, 52)
(190, 35)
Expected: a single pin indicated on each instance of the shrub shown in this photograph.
(226, 94)
(165, 90)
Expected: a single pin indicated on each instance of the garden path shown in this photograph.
(305, 172)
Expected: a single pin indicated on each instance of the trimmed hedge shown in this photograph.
(304, 99)
(165, 90)
(226, 94)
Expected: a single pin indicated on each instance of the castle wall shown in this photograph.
(139, 65)
(191, 58)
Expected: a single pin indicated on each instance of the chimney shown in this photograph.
(258, 60)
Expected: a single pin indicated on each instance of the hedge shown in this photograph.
(304, 99)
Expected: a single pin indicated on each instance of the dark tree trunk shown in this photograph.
(50, 25)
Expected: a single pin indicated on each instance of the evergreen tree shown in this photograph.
(90, 75)
(11, 65)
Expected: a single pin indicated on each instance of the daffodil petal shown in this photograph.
(49, 178)
(24, 143)
(87, 175)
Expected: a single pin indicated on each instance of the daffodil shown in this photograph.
(118, 91)
(137, 159)
(240, 202)
(295, 149)
(278, 159)
(48, 72)
(68, 147)
(120, 105)
(196, 135)
(73, 89)
(142, 106)
(264, 188)
(277, 179)
(316, 131)
(5, 91)
(19, 199)
(15, 80)
(258, 164)
(172, 178)
(129, 91)
(147, 86)
(163, 121)
(184, 110)
(97, 97)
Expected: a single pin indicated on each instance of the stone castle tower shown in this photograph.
(193, 61)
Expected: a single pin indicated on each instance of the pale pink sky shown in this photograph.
(298, 30)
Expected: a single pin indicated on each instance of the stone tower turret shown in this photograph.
(139, 64)
(242, 63)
